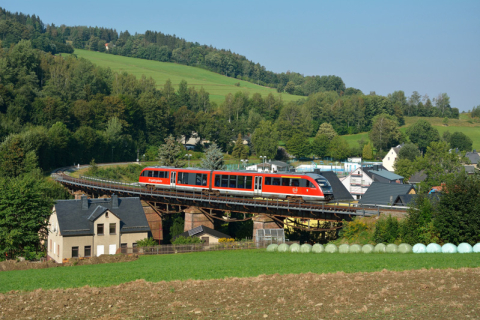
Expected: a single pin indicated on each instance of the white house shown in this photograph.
(271, 166)
(357, 183)
(390, 158)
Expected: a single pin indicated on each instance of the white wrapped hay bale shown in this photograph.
(283, 247)
(355, 248)
(343, 248)
(295, 247)
(368, 248)
(306, 248)
(391, 248)
(404, 248)
(419, 248)
(434, 248)
(331, 248)
(476, 248)
(272, 247)
(464, 248)
(318, 248)
(449, 248)
(380, 248)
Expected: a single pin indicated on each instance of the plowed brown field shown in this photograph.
(419, 294)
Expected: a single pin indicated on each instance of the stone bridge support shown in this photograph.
(195, 218)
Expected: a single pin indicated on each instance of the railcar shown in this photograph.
(291, 186)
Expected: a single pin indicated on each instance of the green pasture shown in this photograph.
(217, 85)
(221, 264)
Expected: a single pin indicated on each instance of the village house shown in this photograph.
(357, 182)
(390, 158)
(92, 227)
(206, 234)
(385, 194)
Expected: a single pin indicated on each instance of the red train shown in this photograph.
(293, 186)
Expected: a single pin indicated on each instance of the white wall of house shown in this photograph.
(357, 183)
(389, 160)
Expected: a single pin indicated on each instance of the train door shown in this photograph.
(173, 178)
(257, 191)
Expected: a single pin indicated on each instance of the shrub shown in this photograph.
(226, 240)
(147, 242)
(186, 240)
(386, 230)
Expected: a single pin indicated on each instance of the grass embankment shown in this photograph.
(217, 85)
(470, 128)
(221, 264)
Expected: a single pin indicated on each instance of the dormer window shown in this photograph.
(106, 214)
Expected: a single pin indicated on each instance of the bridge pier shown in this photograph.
(195, 218)
(263, 221)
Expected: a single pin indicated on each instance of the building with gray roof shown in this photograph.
(385, 194)
(92, 227)
(206, 234)
(386, 176)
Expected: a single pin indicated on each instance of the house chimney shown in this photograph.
(84, 202)
(114, 201)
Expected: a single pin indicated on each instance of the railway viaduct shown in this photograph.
(204, 209)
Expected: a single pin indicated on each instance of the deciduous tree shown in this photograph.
(265, 139)
(422, 134)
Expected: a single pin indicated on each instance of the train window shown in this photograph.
(276, 181)
(224, 181)
(295, 183)
(180, 178)
(268, 181)
(217, 180)
(166, 174)
(249, 182)
(233, 181)
(201, 179)
(241, 182)
(144, 173)
(155, 174)
(310, 185)
(286, 182)
(150, 173)
(204, 180)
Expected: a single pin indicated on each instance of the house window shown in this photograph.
(106, 214)
(74, 252)
(88, 251)
(113, 227)
(123, 247)
(100, 229)
(134, 246)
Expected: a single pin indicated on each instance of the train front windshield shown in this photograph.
(325, 186)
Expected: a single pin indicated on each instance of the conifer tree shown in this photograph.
(170, 154)
(213, 159)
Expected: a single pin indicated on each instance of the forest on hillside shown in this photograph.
(63, 110)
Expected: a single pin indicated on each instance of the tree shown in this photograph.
(321, 145)
(213, 159)
(461, 141)
(12, 157)
(240, 151)
(327, 129)
(405, 168)
(24, 211)
(339, 148)
(289, 87)
(385, 133)
(409, 151)
(457, 216)
(299, 146)
(177, 226)
(445, 121)
(367, 152)
(170, 154)
(265, 139)
(422, 134)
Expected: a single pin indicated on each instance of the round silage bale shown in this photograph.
(331, 248)
(449, 248)
(476, 248)
(355, 248)
(391, 248)
(283, 247)
(404, 248)
(368, 248)
(464, 248)
(295, 247)
(318, 248)
(272, 247)
(380, 248)
(419, 248)
(343, 248)
(306, 248)
(434, 248)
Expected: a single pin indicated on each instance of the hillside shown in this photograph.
(217, 85)
(470, 129)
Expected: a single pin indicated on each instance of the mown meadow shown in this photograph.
(217, 85)
(221, 264)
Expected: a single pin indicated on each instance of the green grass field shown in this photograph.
(217, 85)
(221, 264)
(471, 130)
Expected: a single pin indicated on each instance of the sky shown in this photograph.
(432, 47)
